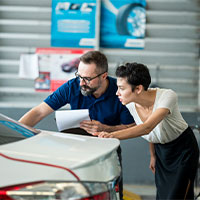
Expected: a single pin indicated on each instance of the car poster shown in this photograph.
(123, 23)
(56, 66)
(73, 23)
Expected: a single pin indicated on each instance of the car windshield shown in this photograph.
(12, 131)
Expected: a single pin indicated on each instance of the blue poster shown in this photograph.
(73, 23)
(123, 23)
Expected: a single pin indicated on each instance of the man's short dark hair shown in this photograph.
(135, 73)
(97, 58)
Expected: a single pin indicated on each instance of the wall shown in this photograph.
(171, 48)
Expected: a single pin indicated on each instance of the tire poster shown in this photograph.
(73, 23)
(122, 23)
(56, 66)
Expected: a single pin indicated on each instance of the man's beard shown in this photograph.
(86, 90)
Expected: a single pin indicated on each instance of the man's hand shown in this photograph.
(92, 126)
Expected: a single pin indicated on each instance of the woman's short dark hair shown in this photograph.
(97, 58)
(135, 73)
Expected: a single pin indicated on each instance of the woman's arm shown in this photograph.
(152, 158)
(96, 126)
(138, 130)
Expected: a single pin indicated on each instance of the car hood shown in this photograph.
(48, 154)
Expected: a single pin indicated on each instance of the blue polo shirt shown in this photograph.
(106, 109)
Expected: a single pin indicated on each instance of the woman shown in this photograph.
(173, 147)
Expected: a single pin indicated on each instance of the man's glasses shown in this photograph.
(87, 79)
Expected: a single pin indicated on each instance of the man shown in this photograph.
(92, 89)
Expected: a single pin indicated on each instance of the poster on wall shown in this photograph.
(123, 23)
(73, 23)
(56, 66)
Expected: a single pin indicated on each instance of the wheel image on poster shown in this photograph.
(131, 20)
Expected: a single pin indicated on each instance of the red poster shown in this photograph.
(56, 66)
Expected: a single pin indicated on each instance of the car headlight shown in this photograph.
(59, 190)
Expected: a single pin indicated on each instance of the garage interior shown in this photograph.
(172, 53)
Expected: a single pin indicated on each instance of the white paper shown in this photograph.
(28, 66)
(66, 119)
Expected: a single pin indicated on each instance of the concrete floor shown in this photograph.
(146, 192)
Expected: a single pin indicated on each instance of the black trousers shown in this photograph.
(176, 167)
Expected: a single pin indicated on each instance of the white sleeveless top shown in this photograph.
(171, 126)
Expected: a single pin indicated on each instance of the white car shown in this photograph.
(38, 164)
